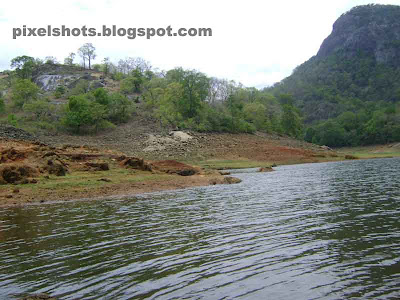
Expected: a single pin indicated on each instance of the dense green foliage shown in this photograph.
(97, 109)
(190, 99)
(23, 91)
(178, 98)
(2, 106)
(349, 93)
(346, 101)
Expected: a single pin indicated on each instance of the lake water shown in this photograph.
(311, 231)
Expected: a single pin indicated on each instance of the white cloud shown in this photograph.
(254, 42)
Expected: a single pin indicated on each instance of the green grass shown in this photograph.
(229, 164)
(81, 180)
(371, 152)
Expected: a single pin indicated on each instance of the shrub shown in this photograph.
(23, 91)
(2, 106)
(60, 91)
(12, 120)
(40, 110)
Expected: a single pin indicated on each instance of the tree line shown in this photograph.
(178, 98)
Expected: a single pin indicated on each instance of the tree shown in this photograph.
(330, 133)
(79, 113)
(255, 113)
(129, 64)
(291, 121)
(219, 90)
(235, 107)
(120, 108)
(51, 60)
(195, 85)
(101, 96)
(2, 106)
(24, 66)
(87, 52)
(168, 109)
(69, 60)
(81, 87)
(133, 83)
(41, 110)
(24, 91)
(106, 66)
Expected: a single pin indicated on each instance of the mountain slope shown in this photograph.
(349, 93)
(358, 62)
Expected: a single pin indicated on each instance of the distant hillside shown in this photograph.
(360, 60)
(356, 70)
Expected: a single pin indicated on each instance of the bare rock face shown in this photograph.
(373, 30)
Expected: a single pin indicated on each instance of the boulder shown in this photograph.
(224, 172)
(231, 180)
(136, 163)
(11, 155)
(97, 166)
(174, 167)
(348, 156)
(56, 168)
(265, 169)
(181, 136)
(17, 173)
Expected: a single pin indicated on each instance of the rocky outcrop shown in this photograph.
(265, 169)
(178, 140)
(17, 173)
(11, 132)
(56, 167)
(136, 163)
(97, 166)
(231, 180)
(371, 29)
(174, 167)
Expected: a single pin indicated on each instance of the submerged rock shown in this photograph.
(224, 172)
(265, 169)
(231, 180)
(41, 296)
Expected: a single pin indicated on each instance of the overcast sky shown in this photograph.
(256, 43)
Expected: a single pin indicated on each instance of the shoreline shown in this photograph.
(124, 176)
(104, 192)
(161, 183)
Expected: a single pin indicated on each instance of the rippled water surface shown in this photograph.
(314, 231)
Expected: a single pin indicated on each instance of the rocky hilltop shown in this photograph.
(372, 29)
(357, 70)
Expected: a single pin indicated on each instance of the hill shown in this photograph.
(354, 80)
